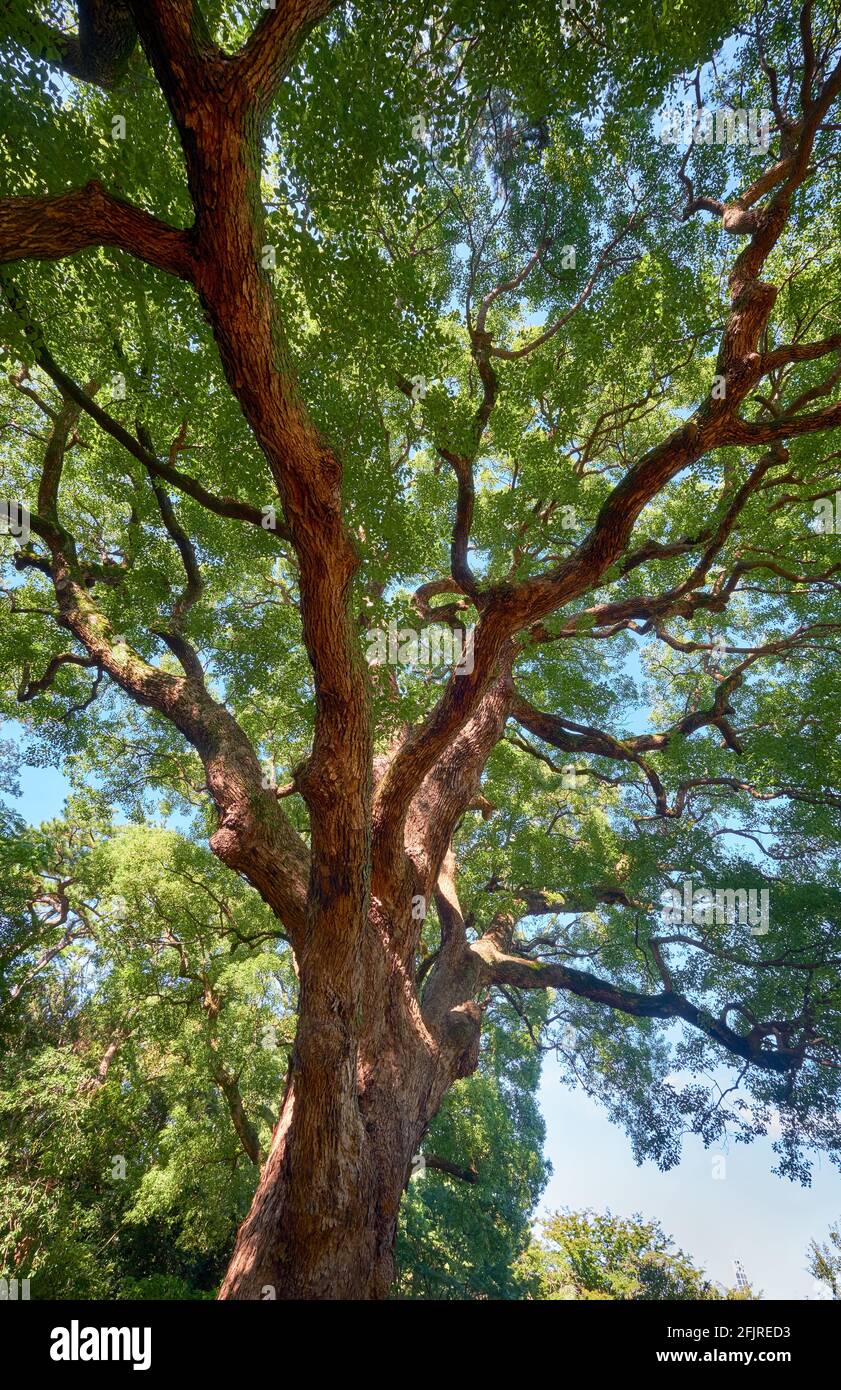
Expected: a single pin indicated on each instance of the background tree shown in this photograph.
(583, 1255)
(466, 1216)
(508, 360)
(141, 1049)
(825, 1260)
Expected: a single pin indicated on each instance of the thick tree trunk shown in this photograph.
(360, 1094)
(311, 1232)
(322, 1234)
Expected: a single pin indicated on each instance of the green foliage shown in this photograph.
(461, 1240)
(413, 160)
(825, 1261)
(584, 1255)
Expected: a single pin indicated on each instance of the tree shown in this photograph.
(825, 1260)
(356, 321)
(140, 1052)
(144, 1042)
(583, 1255)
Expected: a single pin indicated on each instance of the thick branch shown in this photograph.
(453, 1170)
(246, 1133)
(519, 973)
(253, 835)
(260, 66)
(50, 228)
(98, 53)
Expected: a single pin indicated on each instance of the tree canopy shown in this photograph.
(325, 328)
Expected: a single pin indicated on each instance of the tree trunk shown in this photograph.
(360, 1093)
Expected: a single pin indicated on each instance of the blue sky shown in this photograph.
(764, 1221)
(746, 1213)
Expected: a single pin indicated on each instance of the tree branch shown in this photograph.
(262, 63)
(98, 53)
(519, 973)
(52, 227)
(230, 507)
(453, 1170)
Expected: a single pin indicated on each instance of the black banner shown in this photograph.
(85, 1341)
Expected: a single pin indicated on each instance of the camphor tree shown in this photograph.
(320, 319)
